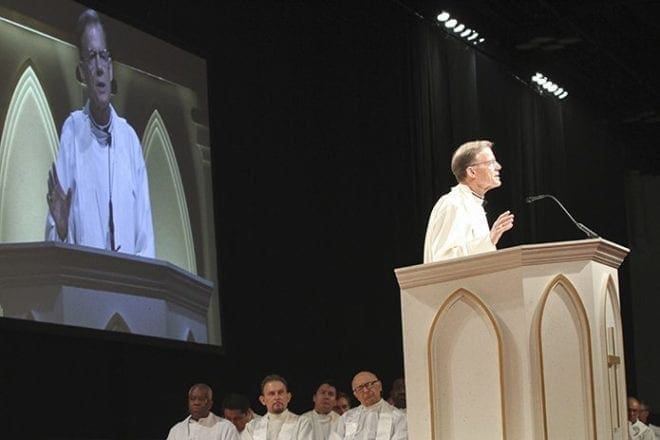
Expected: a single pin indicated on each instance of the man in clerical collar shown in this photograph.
(322, 417)
(236, 409)
(374, 418)
(457, 225)
(637, 429)
(278, 423)
(202, 424)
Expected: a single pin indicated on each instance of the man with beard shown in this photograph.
(374, 418)
(98, 193)
(322, 417)
(457, 225)
(202, 424)
(278, 423)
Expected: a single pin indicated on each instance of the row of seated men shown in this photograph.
(640, 426)
(332, 417)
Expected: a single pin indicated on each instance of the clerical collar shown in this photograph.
(280, 416)
(101, 132)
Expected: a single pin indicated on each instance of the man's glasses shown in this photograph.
(365, 386)
(488, 163)
(103, 55)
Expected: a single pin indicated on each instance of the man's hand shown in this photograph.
(503, 223)
(59, 203)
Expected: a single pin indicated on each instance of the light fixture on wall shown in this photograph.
(467, 34)
(545, 86)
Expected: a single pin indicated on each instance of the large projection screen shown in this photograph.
(161, 90)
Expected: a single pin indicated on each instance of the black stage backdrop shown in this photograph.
(332, 128)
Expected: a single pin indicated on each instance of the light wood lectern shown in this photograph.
(521, 343)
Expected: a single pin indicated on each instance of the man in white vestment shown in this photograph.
(398, 394)
(343, 403)
(98, 192)
(374, 419)
(322, 417)
(636, 428)
(644, 413)
(457, 225)
(202, 424)
(278, 423)
(236, 409)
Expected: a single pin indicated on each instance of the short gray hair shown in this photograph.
(465, 155)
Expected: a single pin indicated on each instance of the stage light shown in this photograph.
(443, 16)
(459, 28)
(544, 85)
(563, 95)
(481, 40)
(559, 91)
(451, 23)
(466, 32)
(474, 35)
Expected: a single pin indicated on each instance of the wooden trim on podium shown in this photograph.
(596, 249)
(52, 263)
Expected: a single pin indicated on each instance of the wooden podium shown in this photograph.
(521, 343)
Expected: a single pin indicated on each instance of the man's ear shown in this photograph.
(79, 74)
(262, 400)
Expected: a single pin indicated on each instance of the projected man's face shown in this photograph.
(96, 70)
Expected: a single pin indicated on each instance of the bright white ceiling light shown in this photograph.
(451, 23)
(559, 91)
(459, 28)
(443, 16)
(474, 35)
(563, 95)
(466, 32)
(546, 85)
(481, 40)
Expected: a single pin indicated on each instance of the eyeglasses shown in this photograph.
(103, 55)
(488, 163)
(365, 386)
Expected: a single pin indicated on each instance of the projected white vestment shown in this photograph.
(380, 421)
(211, 427)
(285, 426)
(640, 431)
(322, 424)
(96, 164)
(457, 226)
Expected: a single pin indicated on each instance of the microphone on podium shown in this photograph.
(580, 226)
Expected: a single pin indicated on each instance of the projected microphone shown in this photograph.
(111, 221)
(580, 226)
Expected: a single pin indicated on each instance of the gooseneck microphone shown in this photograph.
(580, 226)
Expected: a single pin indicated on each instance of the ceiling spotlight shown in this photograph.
(474, 35)
(451, 23)
(466, 32)
(443, 16)
(553, 88)
(563, 95)
(481, 40)
(559, 91)
(459, 28)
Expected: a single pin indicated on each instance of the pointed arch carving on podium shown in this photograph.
(462, 318)
(562, 343)
(117, 323)
(611, 330)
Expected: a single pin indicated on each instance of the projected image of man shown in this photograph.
(98, 192)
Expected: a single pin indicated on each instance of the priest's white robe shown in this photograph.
(322, 424)
(285, 426)
(211, 427)
(457, 226)
(91, 163)
(380, 421)
(639, 431)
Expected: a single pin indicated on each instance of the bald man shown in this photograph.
(202, 424)
(637, 429)
(374, 418)
(457, 225)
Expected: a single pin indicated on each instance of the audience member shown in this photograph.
(343, 403)
(202, 424)
(637, 429)
(374, 418)
(278, 423)
(236, 409)
(322, 417)
(398, 394)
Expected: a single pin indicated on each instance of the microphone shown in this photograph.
(580, 226)
(111, 220)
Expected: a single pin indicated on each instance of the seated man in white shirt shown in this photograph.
(236, 409)
(374, 418)
(322, 417)
(457, 225)
(644, 413)
(202, 424)
(278, 423)
(637, 429)
(343, 403)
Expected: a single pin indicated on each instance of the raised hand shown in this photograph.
(59, 203)
(503, 223)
